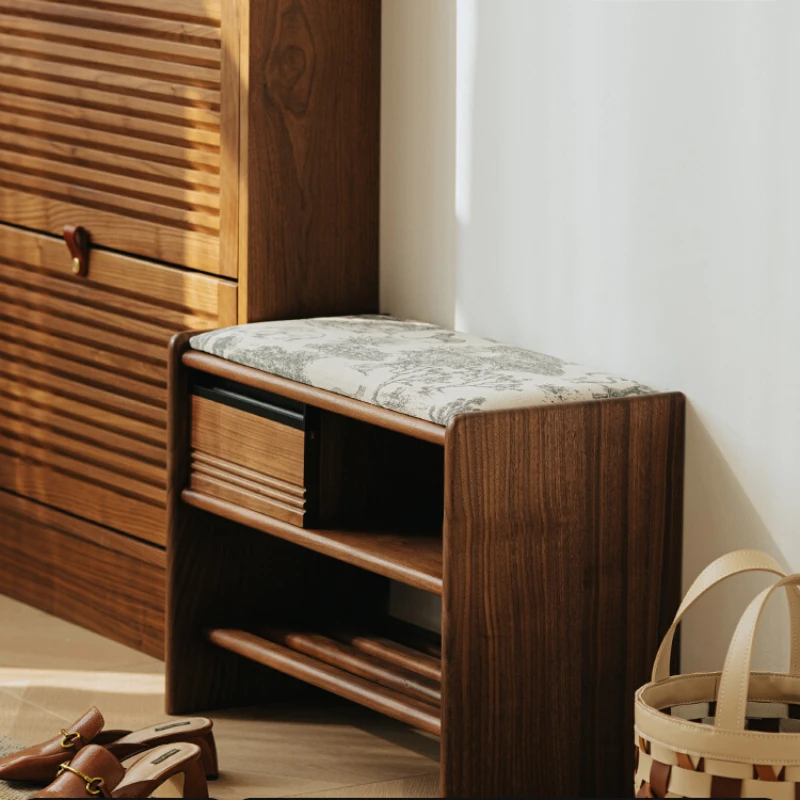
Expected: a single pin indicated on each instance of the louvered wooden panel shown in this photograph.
(83, 376)
(122, 116)
(48, 556)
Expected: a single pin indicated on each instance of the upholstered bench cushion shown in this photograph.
(412, 367)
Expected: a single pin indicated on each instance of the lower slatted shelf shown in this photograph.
(348, 658)
(401, 686)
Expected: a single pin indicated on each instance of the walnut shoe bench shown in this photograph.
(312, 462)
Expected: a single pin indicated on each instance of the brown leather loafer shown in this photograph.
(95, 772)
(41, 762)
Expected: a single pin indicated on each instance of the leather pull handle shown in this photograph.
(78, 242)
(734, 682)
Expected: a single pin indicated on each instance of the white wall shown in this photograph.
(418, 227)
(618, 183)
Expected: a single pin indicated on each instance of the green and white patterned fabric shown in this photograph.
(415, 368)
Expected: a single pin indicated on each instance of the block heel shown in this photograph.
(208, 754)
(195, 784)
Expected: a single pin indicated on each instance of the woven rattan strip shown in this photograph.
(674, 774)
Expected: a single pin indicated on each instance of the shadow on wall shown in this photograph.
(720, 517)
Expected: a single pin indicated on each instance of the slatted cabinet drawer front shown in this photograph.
(83, 376)
(111, 117)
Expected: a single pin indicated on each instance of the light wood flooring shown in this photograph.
(52, 671)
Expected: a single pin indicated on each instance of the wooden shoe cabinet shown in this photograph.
(219, 160)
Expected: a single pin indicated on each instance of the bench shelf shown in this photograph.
(412, 559)
(342, 670)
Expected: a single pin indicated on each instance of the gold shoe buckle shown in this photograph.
(69, 739)
(92, 784)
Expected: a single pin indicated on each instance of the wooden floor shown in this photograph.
(51, 672)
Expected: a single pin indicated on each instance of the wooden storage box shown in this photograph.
(256, 449)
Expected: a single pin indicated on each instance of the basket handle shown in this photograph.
(725, 567)
(734, 684)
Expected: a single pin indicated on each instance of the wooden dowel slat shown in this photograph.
(395, 653)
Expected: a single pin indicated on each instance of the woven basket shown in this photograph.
(723, 734)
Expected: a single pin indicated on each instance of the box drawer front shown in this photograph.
(111, 118)
(83, 377)
(253, 450)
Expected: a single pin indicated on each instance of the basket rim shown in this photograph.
(706, 741)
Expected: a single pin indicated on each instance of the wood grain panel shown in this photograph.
(309, 155)
(83, 378)
(90, 94)
(82, 572)
(69, 383)
(75, 492)
(54, 408)
(146, 398)
(37, 409)
(65, 164)
(232, 90)
(54, 343)
(22, 208)
(106, 124)
(140, 82)
(25, 174)
(190, 74)
(20, 434)
(560, 574)
(205, 11)
(177, 290)
(134, 83)
(134, 24)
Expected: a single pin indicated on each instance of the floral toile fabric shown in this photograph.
(415, 368)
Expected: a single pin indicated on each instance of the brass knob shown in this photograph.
(76, 266)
